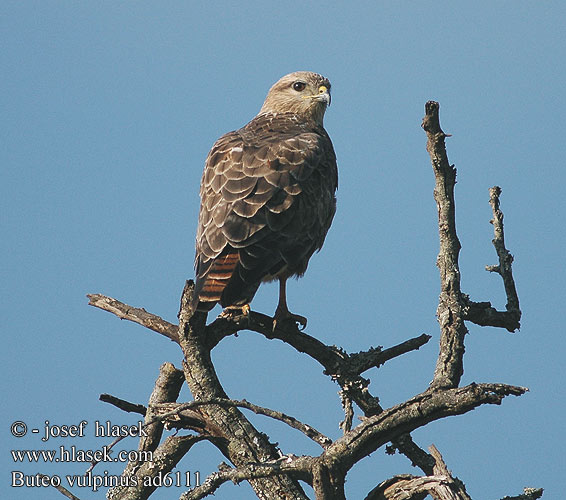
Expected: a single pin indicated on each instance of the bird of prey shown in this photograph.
(267, 198)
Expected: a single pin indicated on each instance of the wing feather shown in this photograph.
(267, 196)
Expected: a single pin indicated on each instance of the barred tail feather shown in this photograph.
(211, 283)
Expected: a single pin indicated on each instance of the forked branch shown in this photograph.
(482, 313)
(344, 368)
(454, 306)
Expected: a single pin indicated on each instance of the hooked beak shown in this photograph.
(323, 95)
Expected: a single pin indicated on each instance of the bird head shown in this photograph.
(303, 93)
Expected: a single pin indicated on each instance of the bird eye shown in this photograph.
(299, 86)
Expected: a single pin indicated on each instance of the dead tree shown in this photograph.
(212, 416)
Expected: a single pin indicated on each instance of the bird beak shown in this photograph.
(323, 95)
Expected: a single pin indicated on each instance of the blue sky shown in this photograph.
(108, 111)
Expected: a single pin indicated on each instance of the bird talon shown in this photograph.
(231, 312)
(300, 322)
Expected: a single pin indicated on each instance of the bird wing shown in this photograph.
(267, 201)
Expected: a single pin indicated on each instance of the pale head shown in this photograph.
(303, 93)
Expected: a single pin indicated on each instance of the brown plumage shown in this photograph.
(267, 197)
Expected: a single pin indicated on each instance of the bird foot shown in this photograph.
(284, 315)
(231, 312)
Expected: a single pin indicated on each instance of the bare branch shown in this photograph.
(505, 258)
(401, 419)
(137, 315)
(482, 313)
(168, 410)
(528, 494)
(122, 404)
(346, 424)
(245, 473)
(362, 361)
(330, 357)
(449, 366)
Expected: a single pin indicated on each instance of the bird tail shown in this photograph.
(212, 279)
(224, 280)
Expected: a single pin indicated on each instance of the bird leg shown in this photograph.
(282, 312)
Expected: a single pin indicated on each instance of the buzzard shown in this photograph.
(267, 198)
